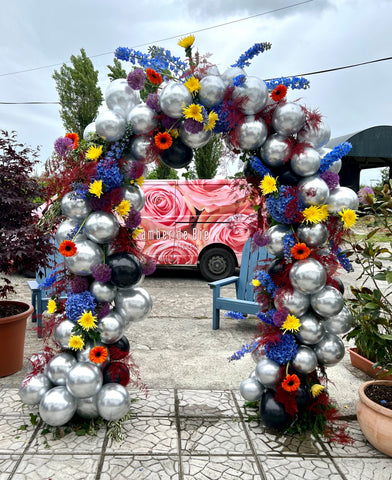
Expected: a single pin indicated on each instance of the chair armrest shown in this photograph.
(223, 282)
(33, 284)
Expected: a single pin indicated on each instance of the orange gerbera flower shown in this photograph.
(300, 251)
(154, 76)
(279, 93)
(75, 139)
(67, 248)
(163, 140)
(291, 383)
(98, 354)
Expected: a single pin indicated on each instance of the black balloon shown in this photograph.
(302, 397)
(272, 413)
(178, 155)
(276, 267)
(286, 176)
(116, 372)
(119, 349)
(126, 269)
(337, 283)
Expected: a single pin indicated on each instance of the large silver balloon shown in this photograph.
(308, 276)
(111, 327)
(330, 350)
(57, 406)
(58, 367)
(288, 118)
(84, 380)
(120, 97)
(230, 73)
(314, 235)
(113, 401)
(296, 302)
(251, 134)
(110, 125)
(305, 360)
(311, 330)
(101, 227)
(212, 90)
(103, 292)
(315, 136)
(276, 236)
(63, 333)
(327, 302)
(173, 98)
(267, 372)
(66, 229)
(88, 131)
(339, 323)
(254, 92)
(251, 389)
(133, 304)
(74, 207)
(32, 390)
(342, 197)
(87, 407)
(84, 355)
(38, 362)
(275, 151)
(142, 118)
(306, 163)
(313, 190)
(135, 195)
(141, 149)
(195, 140)
(87, 256)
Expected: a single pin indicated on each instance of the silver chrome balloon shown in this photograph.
(195, 140)
(133, 304)
(311, 330)
(251, 389)
(101, 227)
(63, 333)
(306, 163)
(288, 118)
(120, 97)
(305, 360)
(267, 372)
(230, 73)
(254, 92)
(314, 235)
(58, 366)
(135, 195)
(275, 150)
(173, 98)
(296, 302)
(212, 90)
(339, 323)
(258, 353)
(276, 236)
(74, 207)
(315, 136)
(66, 229)
(308, 276)
(88, 131)
(141, 149)
(111, 327)
(113, 401)
(142, 118)
(32, 390)
(110, 125)
(327, 302)
(84, 380)
(87, 407)
(88, 255)
(103, 292)
(251, 134)
(335, 166)
(330, 350)
(84, 355)
(342, 197)
(57, 406)
(313, 190)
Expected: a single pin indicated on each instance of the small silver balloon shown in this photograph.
(58, 366)
(323, 151)
(89, 131)
(87, 407)
(135, 195)
(251, 389)
(230, 73)
(110, 125)
(38, 362)
(314, 235)
(252, 374)
(305, 360)
(173, 98)
(133, 304)
(308, 276)
(142, 118)
(293, 300)
(195, 140)
(258, 353)
(327, 302)
(74, 207)
(84, 355)
(120, 97)
(288, 118)
(101, 227)
(63, 333)
(342, 197)
(103, 292)
(311, 330)
(306, 163)
(267, 372)
(113, 401)
(212, 90)
(111, 327)
(57, 406)
(313, 190)
(32, 390)
(254, 92)
(275, 151)
(84, 380)
(87, 256)
(315, 136)
(330, 350)
(251, 134)
(276, 236)
(141, 149)
(66, 229)
(339, 323)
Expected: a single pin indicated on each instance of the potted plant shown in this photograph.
(23, 245)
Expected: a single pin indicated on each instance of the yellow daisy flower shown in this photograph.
(123, 208)
(212, 119)
(76, 342)
(256, 283)
(314, 214)
(316, 389)
(87, 320)
(268, 185)
(193, 84)
(52, 306)
(95, 188)
(193, 111)
(291, 324)
(94, 152)
(349, 217)
(140, 181)
(324, 212)
(186, 42)
(137, 232)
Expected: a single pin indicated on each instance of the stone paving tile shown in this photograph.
(7, 464)
(140, 468)
(10, 403)
(213, 436)
(159, 403)
(365, 469)
(12, 439)
(300, 468)
(220, 468)
(207, 403)
(147, 436)
(57, 467)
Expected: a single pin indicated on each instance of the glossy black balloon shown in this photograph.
(286, 176)
(119, 349)
(337, 283)
(276, 267)
(178, 155)
(116, 372)
(126, 269)
(272, 413)
(302, 397)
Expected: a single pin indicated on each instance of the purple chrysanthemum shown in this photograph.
(193, 126)
(134, 219)
(148, 266)
(102, 273)
(331, 179)
(78, 284)
(136, 79)
(363, 193)
(103, 309)
(279, 317)
(168, 122)
(152, 101)
(63, 145)
(261, 239)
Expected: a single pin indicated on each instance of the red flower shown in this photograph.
(291, 383)
(163, 140)
(154, 76)
(279, 93)
(67, 248)
(98, 354)
(300, 251)
(75, 139)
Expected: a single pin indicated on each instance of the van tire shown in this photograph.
(217, 263)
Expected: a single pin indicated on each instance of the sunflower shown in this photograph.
(193, 84)
(316, 389)
(186, 42)
(87, 320)
(52, 306)
(94, 152)
(163, 140)
(300, 251)
(313, 214)
(98, 354)
(75, 140)
(154, 76)
(291, 323)
(123, 208)
(193, 111)
(67, 248)
(349, 217)
(212, 119)
(268, 185)
(76, 342)
(278, 93)
(95, 188)
(291, 383)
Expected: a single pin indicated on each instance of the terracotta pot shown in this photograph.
(12, 338)
(375, 420)
(365, 365)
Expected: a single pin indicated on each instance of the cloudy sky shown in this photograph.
(306, 36)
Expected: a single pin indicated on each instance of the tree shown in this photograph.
(116, 71)
(207, 158)
(79, 94)
(162, 171)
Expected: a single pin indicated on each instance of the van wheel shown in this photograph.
(217, 263)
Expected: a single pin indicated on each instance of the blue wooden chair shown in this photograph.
(252, 260)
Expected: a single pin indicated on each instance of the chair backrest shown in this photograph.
(253, 259)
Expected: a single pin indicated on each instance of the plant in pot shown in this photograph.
(23, 245)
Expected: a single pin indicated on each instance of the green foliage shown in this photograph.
(162, 171)
(116, 70)
(79, 93)
(207, 158)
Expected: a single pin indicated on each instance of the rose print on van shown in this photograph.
(179, 253)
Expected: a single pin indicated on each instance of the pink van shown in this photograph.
(204, 223)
